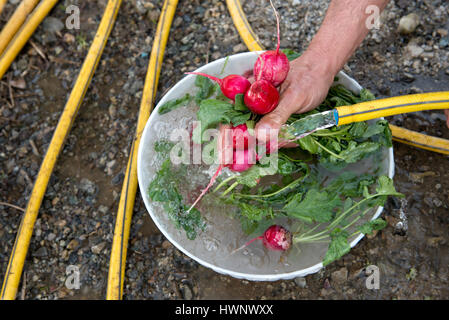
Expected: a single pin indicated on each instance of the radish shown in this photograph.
(262, 97)
(243, 160)
(272, 66)
(230, 86)
(241, 138)
(275, 238)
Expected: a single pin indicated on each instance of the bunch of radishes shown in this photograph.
(261, 97)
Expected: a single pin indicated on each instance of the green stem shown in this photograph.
(327, 150)
(235, 184)
(224, 182)
(329, 134)
(312, 238)
(253, 196)
(336, 221)
(356, 219)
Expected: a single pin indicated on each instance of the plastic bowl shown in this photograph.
(212, 247)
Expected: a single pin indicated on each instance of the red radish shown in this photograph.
(241, 138)
(243, 160)
(262, 97)
(275, 238)
(272, 65)
(230, 85)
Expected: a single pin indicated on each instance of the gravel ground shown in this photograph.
(75, 224)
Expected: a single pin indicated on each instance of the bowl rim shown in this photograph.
(342, 78)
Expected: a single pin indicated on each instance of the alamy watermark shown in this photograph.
(223, 146)
(372, 282)
(73, 277)
(373, 19)
(73, 20)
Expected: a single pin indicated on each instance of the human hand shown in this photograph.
(305, 87)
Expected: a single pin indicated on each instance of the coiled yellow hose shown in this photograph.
(24, 33)
(129, 188)
(15, 22)
(20, 248)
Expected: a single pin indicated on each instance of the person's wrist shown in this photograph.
(320, 64)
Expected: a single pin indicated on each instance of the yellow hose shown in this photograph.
(24, 33)
(2, 5)
(15, 22)
(391, 106)
(129, 188)
(420, 140)
(20, 248)
(243, 27)
(413, 138)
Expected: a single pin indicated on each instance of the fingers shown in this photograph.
(275, 119)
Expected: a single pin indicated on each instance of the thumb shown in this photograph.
(275, 119)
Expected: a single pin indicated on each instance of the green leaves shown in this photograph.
(206, 88)
(386, 187)
(163, 188)
(373, 225)
(291, 54)
(357, 151)
(250, 178)
(315, 207)
(338, 247)
(174, 104)
(240, 104)
(213, 112)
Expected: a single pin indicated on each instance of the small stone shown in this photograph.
(186, 292)
(408, 23)
(55, 201)
(52, 25)
(69, 38)
(153, 15)
(414, 50)
(301, 282)
(73, 244)
(239, 48)
(111, 164)
(87, 186)
(442, 32)
(96, 249)
(51, 237)
(437, 202)
(61, 223)
(340, 276)
(103, 209)
(41, 252)
(166, 245)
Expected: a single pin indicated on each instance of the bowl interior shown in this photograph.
(213, 246)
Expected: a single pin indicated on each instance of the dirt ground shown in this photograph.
(76, 220)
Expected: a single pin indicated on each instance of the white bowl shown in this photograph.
(211, 248)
